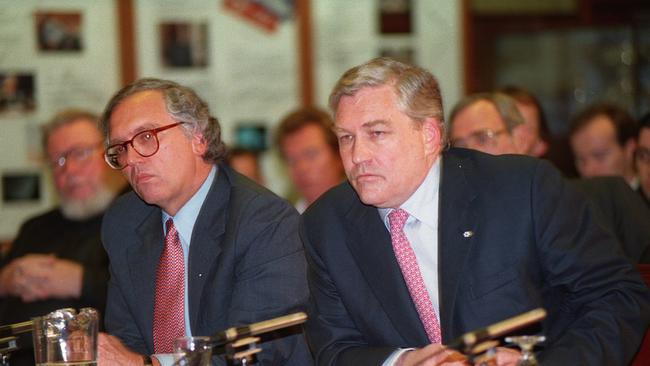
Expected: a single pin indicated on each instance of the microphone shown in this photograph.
(16, 328)
(232, 334)
(468, 340)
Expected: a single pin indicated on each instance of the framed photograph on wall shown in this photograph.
(58, 31)
(17, 92)
(184, 44)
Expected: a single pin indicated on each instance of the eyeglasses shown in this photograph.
(642, 155)
(77, 155)
(481, 138)
(145, 143)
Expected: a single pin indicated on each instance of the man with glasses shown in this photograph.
(485, 122)
(196, 248)
(57, 260)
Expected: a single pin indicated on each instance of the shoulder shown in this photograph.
(340, 199)
(244, 193)
(43, 219)
(127, 208)
(123, 218)
(489, 165)
(485, 171)
(246, 202)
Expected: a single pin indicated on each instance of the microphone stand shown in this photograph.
(241, 342)
(9, 344)
(481, 340)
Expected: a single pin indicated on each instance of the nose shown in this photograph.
(132, 157)
(360, 151)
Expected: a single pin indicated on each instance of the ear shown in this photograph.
(432, 132)
(199, 145)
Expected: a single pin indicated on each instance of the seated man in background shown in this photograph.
(535, 136)
(423, 244)
(310, 149)
(603, 139)
(246, 162)
(642, 158)
(57, 260)
(616, 205)
(532, 135)
(486, 122)
(196, 248)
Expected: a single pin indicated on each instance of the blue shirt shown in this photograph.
(184, 221)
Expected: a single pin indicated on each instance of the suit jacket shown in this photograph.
(245, 265)
(533, 245)
(620, 210)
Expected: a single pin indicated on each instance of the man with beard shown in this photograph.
(57, 260)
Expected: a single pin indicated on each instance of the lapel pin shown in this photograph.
(468, 234)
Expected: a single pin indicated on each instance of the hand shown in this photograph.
(42, 276)
(432, 355)
(110, 351)
(62, 278)
(17, 279)
(507, 356)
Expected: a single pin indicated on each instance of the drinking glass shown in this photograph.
(526, 344)
(65, 337)
(193, 351)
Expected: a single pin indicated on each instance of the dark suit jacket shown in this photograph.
(245, 265)
(620, 210)
(533, 245)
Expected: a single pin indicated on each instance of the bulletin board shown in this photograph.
(54, 54)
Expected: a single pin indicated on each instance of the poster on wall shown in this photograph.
(265, 14)
(58, 31)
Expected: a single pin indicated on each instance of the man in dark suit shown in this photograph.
(197, 248)
(424, 244)
(487, 122)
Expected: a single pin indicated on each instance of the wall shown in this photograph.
(250, 76)
(84, 79)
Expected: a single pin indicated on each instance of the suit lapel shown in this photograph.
(205, 243)
(457, 223)
(370, 244)
(143, 260)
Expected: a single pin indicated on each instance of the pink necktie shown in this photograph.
(411, 272)
(169, 306)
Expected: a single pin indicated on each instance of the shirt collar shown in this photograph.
(419, 204)
(186, 216)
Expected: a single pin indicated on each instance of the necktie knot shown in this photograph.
(169, 225)
(397, 219)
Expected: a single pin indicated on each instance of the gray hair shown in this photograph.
(63, 118)
(506, 107)
(184, 105)
(417, 90)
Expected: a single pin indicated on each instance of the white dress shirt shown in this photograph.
(421, 229)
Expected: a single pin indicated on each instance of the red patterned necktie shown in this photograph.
(411, 272)
(169, 305)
